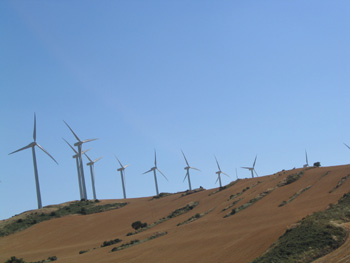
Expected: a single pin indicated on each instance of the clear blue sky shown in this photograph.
(231, 78)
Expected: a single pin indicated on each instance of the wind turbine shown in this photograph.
(307, 161)
(81, 168)
(187, 168)
(92, 173)
(154, 172)
(219, 172)
(252, 169)
(32, 145)
(78, 169)
(122, 174)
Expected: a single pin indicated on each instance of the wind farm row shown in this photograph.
(78, 156)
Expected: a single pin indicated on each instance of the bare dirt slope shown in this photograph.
(212, 238)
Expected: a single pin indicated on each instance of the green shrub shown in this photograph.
(317, 164)
(138, 224)
(15, 260)
(111, 242)
(53, 258)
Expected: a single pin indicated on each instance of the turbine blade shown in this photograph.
(26, 147)
(185, 177)
(217, 180)
(70, 146)
(346, 145)
(255, 161)
(256, 173)
(88, 158)
(89, 140)
(126, 166)
(185, 158)
(98, 159)
(46, 153)
(195, 168)
(148, 171)
(118, 161)
(225, 174)
(83, 152)
(34, 131)
(246, 168)
(217, 163)
(76, 137)
(162, 174)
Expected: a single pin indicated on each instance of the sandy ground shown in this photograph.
(212, 238)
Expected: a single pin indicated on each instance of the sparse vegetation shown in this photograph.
(189, 192)
(78, 207)
(325, 174)
(231, 205)
(224, 187)
(195, 217)
(15, 260)
(251, 202)
(20, 260)
(313, 237)
(136, 241)
(111, 242)
(294, 196)
(340, 183)
(290, 179)
(161, 195)
(83, 251)
(243, 190)
(175, 213)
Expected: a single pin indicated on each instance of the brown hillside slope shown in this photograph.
(212, 238)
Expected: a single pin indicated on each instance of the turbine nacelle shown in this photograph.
(252, 169)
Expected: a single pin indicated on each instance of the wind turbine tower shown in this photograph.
(187, 168)
(154, 169)
(32, 145)
(91, 163)
(76, 157)
(252, 169)
(81, 168)
(307, 161)
(122, 175)
(219, 173)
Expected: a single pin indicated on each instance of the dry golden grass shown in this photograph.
(212, 238)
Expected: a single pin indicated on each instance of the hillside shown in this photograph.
(257, 212)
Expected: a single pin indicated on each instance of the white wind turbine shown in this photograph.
(32, 145)
(307, 161)
(75, 156)
(91, 163)
(154, 172)
(219, 173)
(252, 169)
(122, 175)
(81, 168)
(187, 168)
